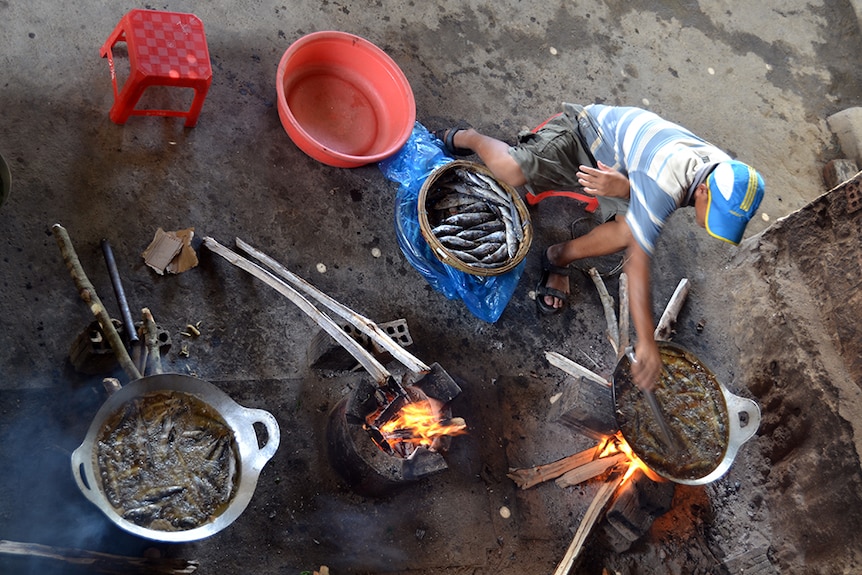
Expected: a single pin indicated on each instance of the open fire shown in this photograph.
(416, 424)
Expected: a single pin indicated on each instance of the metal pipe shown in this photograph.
(128, 323)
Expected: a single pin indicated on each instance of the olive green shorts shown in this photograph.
(550, 158)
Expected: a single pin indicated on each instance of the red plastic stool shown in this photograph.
(165, 49)
(533, 199)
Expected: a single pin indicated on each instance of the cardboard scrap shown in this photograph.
(171, 251)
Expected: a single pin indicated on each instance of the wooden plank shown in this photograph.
(526, 478)
(593, 513)
(589, 470)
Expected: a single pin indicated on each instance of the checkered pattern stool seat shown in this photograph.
(165, 49)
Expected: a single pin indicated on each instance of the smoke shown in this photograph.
(39, 499)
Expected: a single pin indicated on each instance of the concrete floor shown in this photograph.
(758, 81)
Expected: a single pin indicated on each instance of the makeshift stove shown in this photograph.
(630, 495)
(384, 433)
(380, 439)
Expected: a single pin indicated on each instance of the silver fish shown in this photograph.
(468, 220)
(446, 230)
(485, 250)
(458, 243)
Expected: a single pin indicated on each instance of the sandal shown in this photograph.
(543, 290)
(448, 138)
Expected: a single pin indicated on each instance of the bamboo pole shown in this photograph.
(88, 294)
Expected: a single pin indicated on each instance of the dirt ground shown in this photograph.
(775, 319)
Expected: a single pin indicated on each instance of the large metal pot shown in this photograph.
(709, 408)
(241, 421)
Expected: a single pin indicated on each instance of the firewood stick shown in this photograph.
(664, 329)
(625, 317)
(593, 513)
(526, 478)
(572, 368)
(363, 356)
(154, 356)
(362, 323)
(95, 562)
(608, 305)
(88, 294)
(589, 470)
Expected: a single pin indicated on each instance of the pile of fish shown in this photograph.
(474, 218)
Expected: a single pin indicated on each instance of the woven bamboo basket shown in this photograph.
(442, 252)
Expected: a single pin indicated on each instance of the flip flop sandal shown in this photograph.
(543, 290)
(448, 139)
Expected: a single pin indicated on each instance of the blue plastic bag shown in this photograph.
(485, 296)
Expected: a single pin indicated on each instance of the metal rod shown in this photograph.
(128, 323)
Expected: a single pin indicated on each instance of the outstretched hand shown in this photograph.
(603, 181)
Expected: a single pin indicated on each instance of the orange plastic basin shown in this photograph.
(342, 100)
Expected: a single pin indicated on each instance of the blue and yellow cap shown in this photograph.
(735, 191)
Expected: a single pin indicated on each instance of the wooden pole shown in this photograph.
(625, 317)
(95, 562)
(364, 357)
(664, 329)
(594, 512)
(154, 356)
(88, 294)
(362, 323)
(608, 305)
(572, 368)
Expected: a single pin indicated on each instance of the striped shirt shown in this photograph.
(659, 158)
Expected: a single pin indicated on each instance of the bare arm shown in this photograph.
(645, 372)
(603, 181)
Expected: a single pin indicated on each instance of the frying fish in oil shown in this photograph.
(167, 461)
(695, 410)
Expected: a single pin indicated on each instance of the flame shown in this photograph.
(616, 444)
(418, 424)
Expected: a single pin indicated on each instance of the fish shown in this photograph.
(484, 250)
(446, 230)
(467, 220)
(458, 243)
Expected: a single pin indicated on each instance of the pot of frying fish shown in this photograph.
(708, 424)
(173, 458)
(473, 222)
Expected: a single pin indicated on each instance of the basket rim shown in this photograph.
(442, 253)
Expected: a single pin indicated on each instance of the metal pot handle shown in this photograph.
(736, 407)
(78, 463)
(273, 436)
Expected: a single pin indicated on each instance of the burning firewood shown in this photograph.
(380, 408)
(592, 515)
(526, 478)
(590, 470)
(95, 562)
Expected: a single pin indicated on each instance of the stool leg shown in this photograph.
(127, 99)
(197, 105)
